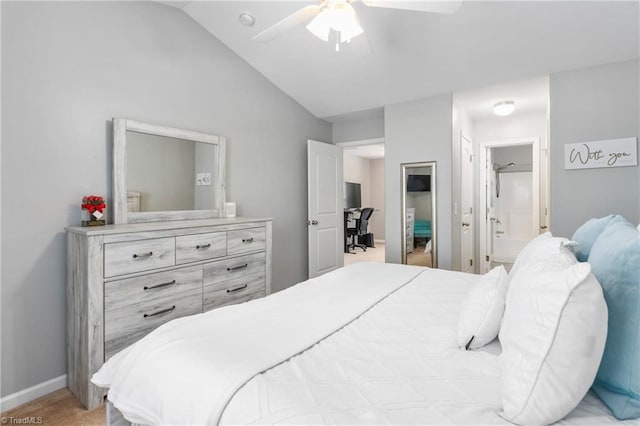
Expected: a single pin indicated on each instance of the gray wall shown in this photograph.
(67, 69)
(205, 163)
(586, 105)
(415, 132)
(358, 129)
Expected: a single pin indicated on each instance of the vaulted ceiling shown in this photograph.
(415, 55)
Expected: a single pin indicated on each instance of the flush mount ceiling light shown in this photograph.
(504, 108)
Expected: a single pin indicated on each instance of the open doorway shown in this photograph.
(500, 172)
(363, 171)
(510, 176)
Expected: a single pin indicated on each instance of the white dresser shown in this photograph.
(125, 280)
(409, 223)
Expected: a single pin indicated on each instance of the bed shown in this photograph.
(368, 344)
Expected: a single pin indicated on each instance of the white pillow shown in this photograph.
(553, 335)
(482, 309)
(527, 252)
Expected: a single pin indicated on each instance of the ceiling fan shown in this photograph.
(339, 16)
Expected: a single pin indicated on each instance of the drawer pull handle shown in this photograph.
(231, 290)
(203, 247)
(235, 268)
(247, 240)
(159, 285)
(143, 255)
(164, 311)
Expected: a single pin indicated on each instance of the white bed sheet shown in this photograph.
(397, 364)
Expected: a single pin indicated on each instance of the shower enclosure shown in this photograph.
(511, 202)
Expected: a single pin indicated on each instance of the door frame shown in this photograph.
(473, 204)
(485, 259)
(362, 142)
(313, 215)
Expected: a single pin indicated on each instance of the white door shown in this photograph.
(466, 207)
(325, 207)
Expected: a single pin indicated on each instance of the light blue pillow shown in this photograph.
(615, 261)
(587, 234)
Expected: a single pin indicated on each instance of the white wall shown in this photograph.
(593, 104)
(67, 69)
(414, 132)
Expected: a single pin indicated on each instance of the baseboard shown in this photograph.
(378, 241)
(34, 392)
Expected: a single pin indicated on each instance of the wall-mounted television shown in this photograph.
(352, 195)
(418, 183)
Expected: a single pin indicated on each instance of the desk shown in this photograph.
(348, 216)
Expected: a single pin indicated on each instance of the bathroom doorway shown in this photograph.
(510, 176)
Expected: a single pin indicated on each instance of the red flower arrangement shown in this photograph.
(93, 210)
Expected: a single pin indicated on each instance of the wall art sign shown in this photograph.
(601, 154)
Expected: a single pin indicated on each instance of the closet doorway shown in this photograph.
(363, 172)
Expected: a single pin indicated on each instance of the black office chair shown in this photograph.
(361, 228)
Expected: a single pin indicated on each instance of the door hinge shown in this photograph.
(470, 210)
(487, 258)
(470, 262)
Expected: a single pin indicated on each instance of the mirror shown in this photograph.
(163, 173)
(419, 214)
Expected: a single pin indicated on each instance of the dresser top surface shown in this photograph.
(156, 226)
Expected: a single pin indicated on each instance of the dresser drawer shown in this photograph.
(135, 306)
(191, 248)
(137, 256)
(237, 290)
(243, 266)
(245, 240)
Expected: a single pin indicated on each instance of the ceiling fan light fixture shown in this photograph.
(340, 17)
(320, 26)
(504, 108)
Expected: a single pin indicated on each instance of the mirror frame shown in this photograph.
(120, 213)
(403, 205)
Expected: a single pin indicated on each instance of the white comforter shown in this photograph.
(186, 371)
(396, 364)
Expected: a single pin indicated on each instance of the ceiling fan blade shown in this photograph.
(295, 19)
(447, 6)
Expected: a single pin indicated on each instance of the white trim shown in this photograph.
(377, 241)
(34, 392)
(361, 142)
(484, 146)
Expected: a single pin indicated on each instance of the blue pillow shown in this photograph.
(587, 234)
(615, 261)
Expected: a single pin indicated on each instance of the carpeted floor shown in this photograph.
(57, 408)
